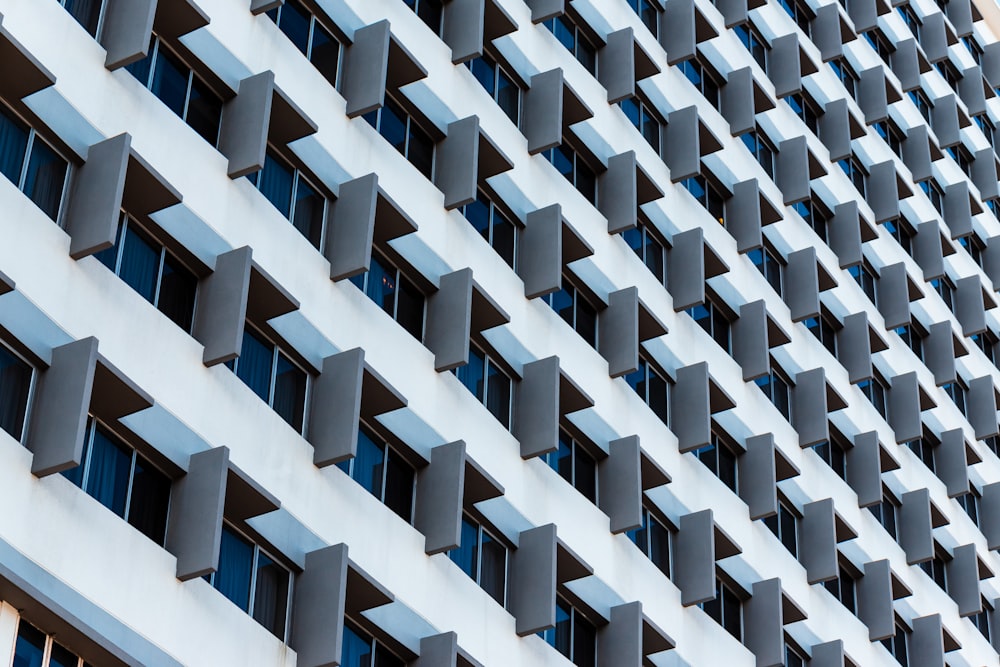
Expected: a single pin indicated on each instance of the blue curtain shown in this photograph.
(150, 498)
(309, 208)
(15, 381)
(170, 81)
(498, 394)
(110, 466)
(254, 365)
(356, 651)
(109, 256)
(465, 555)
(232, 578)
(471, 374)
(177, 290)
(381, 286)
(86, 12)
(368, 463)
(275, 182)
(13, 144)
(45, 178)
(493, 575)
(289, 392)
(270, 601)
(140, 263)
(30, 647)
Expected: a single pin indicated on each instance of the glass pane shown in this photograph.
(659, 546)
(270, 599)
(498, 394)
(478, 215)
(631, 108)
(429, 12)
(290, 392)
(295, 24)
(383, 658)
(658, 396)
(170, 81)
(563, 634)
(254, 365)
(13, 144)
(15, 382)
(30, 646)
(392, 125)
(140, 68)
(564, 31)
(368, 462)
(232, 578)
(177, 290)
(494, 568)
(110, 465)
(585, 474)
(472, 373)
(561, 460)
(562, 161)
(410, 308)
(356, 650)
(586, 321)
(731, 615)
(309, 208)
(562, 303)
(465, 555)
(485, 73)
(399, 487)
(62, 657)
(140, 262)
(43, 182)
(109, 256)
(87, 13)
(507, 96)
(276, 184)
(325, 54)
(381, 286)
(420, 150)
(150, 498)
(584, 642)
(204, 112)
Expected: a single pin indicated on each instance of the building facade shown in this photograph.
(499, 332)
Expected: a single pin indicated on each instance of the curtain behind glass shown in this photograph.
(368, 463)
(355, 651)
(232, 578)
(110, 466)
(498, 394)
(13, 144)
(204, 112)
(289, 392)
(325, 53)
(44, 180)
(381, 287)
(170, 81)
(309, 208)
(15, 382)
(140, 263)
(148, 503)
(275, 182)
(493, 576)
(30, 647)
(399, 486)
(270, 601)
(385, 659)
(471, 374)
(465, 554)
(584, 642)
(295, 24)
(177, 290)
(86, 13)
(254, 365)
(410, 308)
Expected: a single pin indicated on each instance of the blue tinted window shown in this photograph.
(109, 466)
(473, 373)
(368, 464)
(30, 646)
(309, 209)
(275, 183)
(140, 263)
(485, 73)
(254, 365)
(86, 12)
(294, 22)
(232, 578)
(356, 651)
(170, 81)
(465, 556)
(15, 383)
(13, 144)
(43, 182)
(290, 392)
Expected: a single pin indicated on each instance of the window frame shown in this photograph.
(648, 236)
(474, 518)
(490, 360)
(651, 516)
(34, 135)
(582, 35)
(785, 519)
(389, 265)
(410, 120)
(325, 24)
(649, 368)
(708, 80)
(389, 449)
(577, 158)
(274, 155)
(495, 207)
(767, 384)
(48, 645)
(494, 60)
(33, 380)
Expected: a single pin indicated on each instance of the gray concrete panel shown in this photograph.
(542, 111)
(793, 170)
(928, 251)
(194, 526)
(763, 631)
(802, 285)
(690, 407)
(440, 491)
(463, 29)
(318, 607)
(128, 25)
(536, 416)
(969, 305)
(533, 581)
(220, 314)
(904, 407)
(785, 66)
(94, 206)
(875, 600)
(682, 143)
(962, 576)
(915, 526)
(449, 320)
(366, 69)
(617, 192)
(982, 407)
(844, 234)
(883, 191)
(620, 482)
(917, 153)
(809, 407)
(854, 347)
(456, 163)
(245, 122)
(818, 546)
(540, 252)
(927, 642)
(758, 476)
(335, 408)
(620, 641)
(350, 228)
(619, 327)
(694, 558)
(864, 469)
(750, 344)
(893, 295)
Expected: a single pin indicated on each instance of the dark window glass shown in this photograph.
(721, 460)
(923, 104)
(29, 649)
(275, 182)
(500, 86)
(648, 249)
(493, 225)
(177, 292)
(577, 43)
(294, 20)
(273, 377)
(356, 650)
(483, 558)
(405, 305)
(399, 479)
(575, 465)
(761, 151)
(640, 116)
(568, 163)
(714, 321)
(768, 265)
(842, 588)
(824, 332)
(726, 609)
(970, 503)
(815, 216)
(651, 388)
(876, 393)
(885, 512)
(702, 79)
(270, 599)
(901, 233)
(289, 392)
(708, 195)
(910, 19)
(575, 311)
(754, 43)
(776, 389)
(845, 73)
(573, 636)
(429, 12)
(784, 526)
(653, 539)
(856, 173)
(806, 110)
(13, 145)
(15, 385)
(833, 454)
(498, 393)
(170, 81)
(86, 12)
(60, 656)
(402, 132)
(865, 277)
(648, 12)
(383, 472)
(45, 176)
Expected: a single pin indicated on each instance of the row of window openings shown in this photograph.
(34, 648)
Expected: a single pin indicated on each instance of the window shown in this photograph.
(500, 85)
(86, 12)
(273, 376)
(896, 645)
(31, 164)
(16, 380)
(399, 128)
(383, 472)
(793, 658)
(852, 167)
(986, 342)
(987, 127)
(653, 539)
(648, 248)
(640, 115)
(649, 12)
(935, 569)
(880, 44)
(784, 526)
(834, 455)
(903, 234)
(769, 265)
(865, 277)
(803, 107)
(919, 99)
(146, 266)
(360, 649)
(910, 19)
(982, 619)
(886, 512)
(493, 225)
(946, 289)
(973, 47)
(845, 73)
(488, 383)
(394, 293)
(775, 387)
(429, 11)
(761, 150)
(891, 135)
(960, 154)
(949, 73)
(254, 581)
(956, 390)
(575, 465)
(177, 86)
(570, 164)
(824, 331)
(754, 43)
(843, 588)
(714, 321)
(575, 310)
(652, 388)
(993, 443)
(702, 79)
(295, 198)
(923, 449)
(575, 41)
(934, 193)
(123, 480)
(875, 390)
(574, 636)
(317, 44)
(970, 503)
(913, 337)
(483, 557)
(972, 245)
(816, 216)
(726, 609)
(708, 195)
(34, 648)
(719, 456)
(799, 12)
